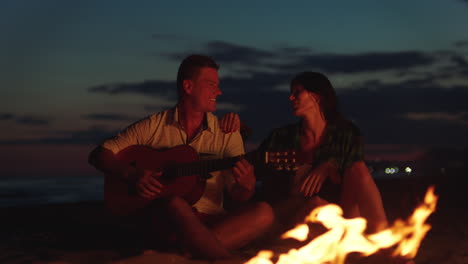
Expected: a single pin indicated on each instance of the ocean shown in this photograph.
(16, 192)
(26, 191)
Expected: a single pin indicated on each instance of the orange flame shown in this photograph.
(345, 236)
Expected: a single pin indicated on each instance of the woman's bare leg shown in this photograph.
(361, 197)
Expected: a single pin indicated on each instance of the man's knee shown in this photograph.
(176, 204)
(263, 213)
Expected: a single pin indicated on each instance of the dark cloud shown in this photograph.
(157, 107)
(294, 59)
(25, 120)
(381, 101)
(460, 61)
(108, 117)
(6, 116)
(356, 63)
(93, 135)
(229, 54)
(462, 43)
(266, 81)
(150, 88)
(288, 50)
(256, 80)
(31, 120)
(447, 117)
(385, 113)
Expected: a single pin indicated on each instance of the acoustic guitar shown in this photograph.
(183, 173)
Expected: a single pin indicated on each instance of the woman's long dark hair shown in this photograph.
(319, 84)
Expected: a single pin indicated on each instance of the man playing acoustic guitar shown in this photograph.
(136, 186)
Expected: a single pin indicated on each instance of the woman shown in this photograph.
(329, 156)
(330, 146)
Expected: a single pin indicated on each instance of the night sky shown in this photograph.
(75, 72)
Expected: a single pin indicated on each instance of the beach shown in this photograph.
(84, 232)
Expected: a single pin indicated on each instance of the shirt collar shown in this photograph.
(207, 124)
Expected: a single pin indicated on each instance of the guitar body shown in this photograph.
(121, 199)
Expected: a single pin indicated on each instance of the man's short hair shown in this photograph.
(190, 66)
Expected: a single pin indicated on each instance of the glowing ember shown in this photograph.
(345, 236)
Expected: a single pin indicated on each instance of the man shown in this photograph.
(204, 229)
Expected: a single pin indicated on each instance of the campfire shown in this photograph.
(345, 236)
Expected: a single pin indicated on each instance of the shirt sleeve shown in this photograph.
(135, 134)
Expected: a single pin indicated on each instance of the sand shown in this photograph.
(84, 233)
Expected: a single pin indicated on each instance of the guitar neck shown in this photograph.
(203, 167)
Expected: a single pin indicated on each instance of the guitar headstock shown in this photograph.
(282, 160)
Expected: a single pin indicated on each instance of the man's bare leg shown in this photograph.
(244, 225)
(198, 239)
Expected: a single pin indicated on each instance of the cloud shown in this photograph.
(108, 117)
(93, 135)
(6, 116)
(290, 50)
(160, 106)
(25, 120)
(294, 59)
(151, 88)
(382, 113)
(460, 61)
(229, 107)
(229, 54)
(225, 52)
(30, 120)
(461, 43)
(356, 63)
(458, 117)
(264, 81)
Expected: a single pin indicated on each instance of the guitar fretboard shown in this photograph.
(203, 167)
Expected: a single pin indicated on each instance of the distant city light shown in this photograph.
(391, 170)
